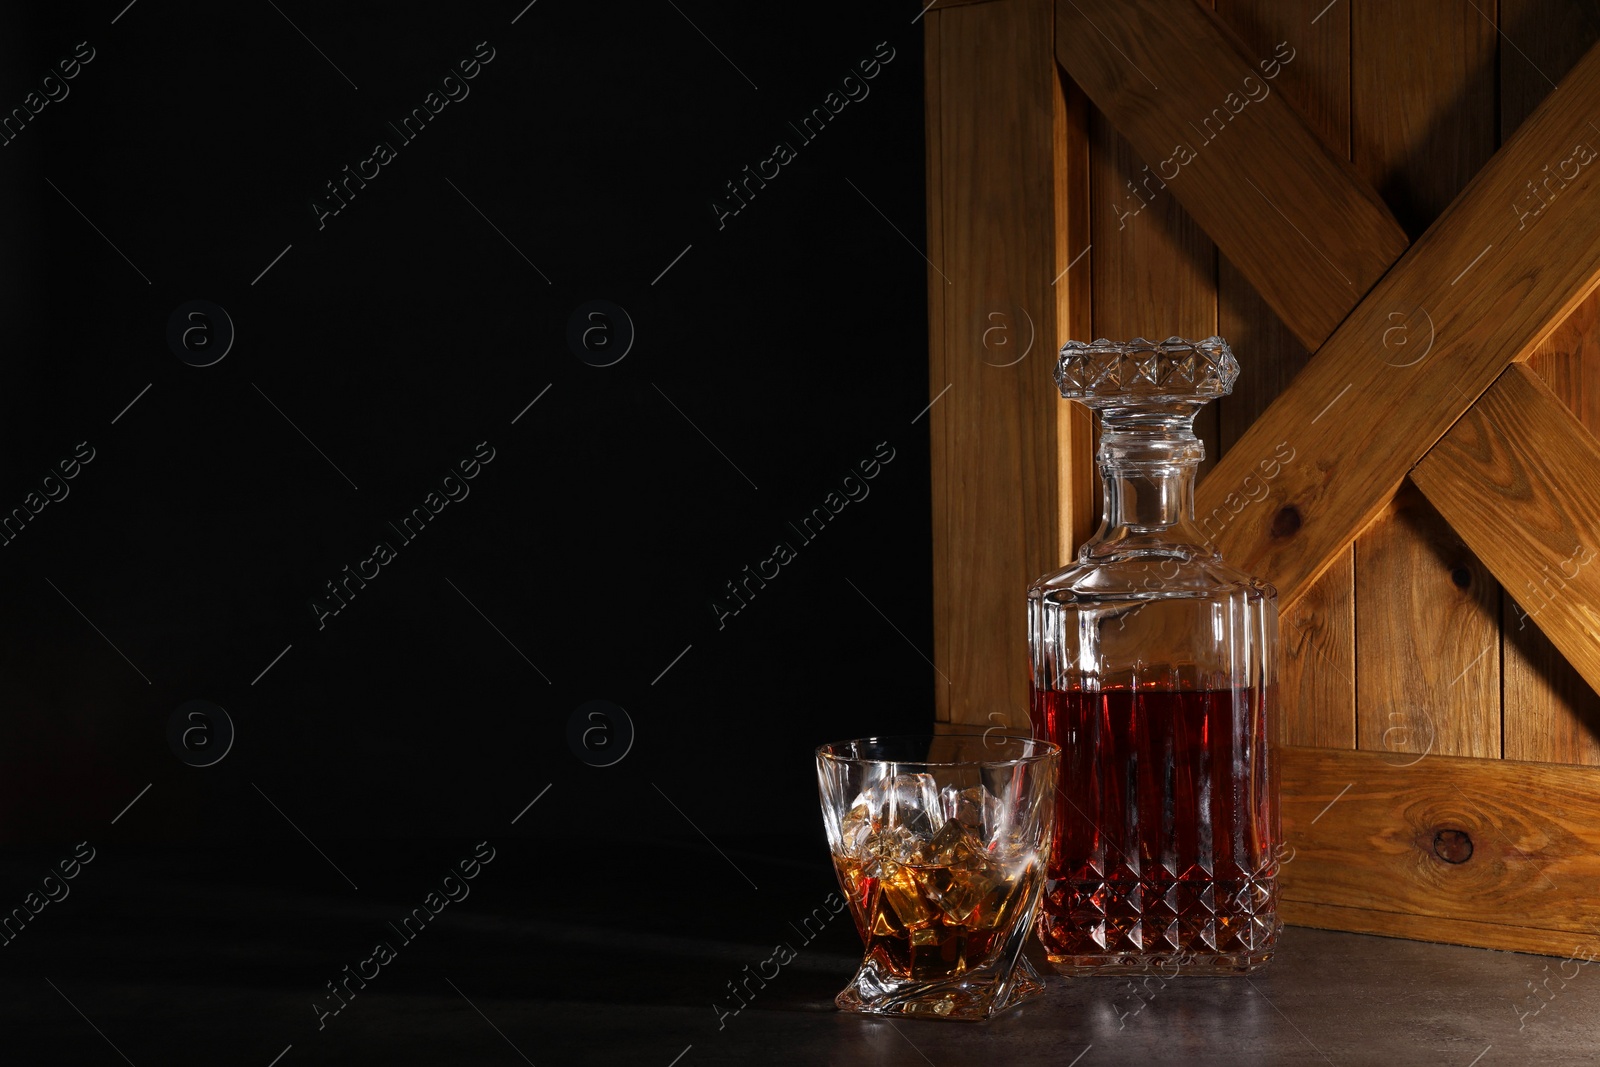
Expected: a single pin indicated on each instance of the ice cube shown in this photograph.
(895, 844)
(911, 801)
(902, 890)
(893, 820)
(956, 846)
(975, 808)
(855, 828)
(962, 896)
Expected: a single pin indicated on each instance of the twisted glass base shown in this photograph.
(980, 994)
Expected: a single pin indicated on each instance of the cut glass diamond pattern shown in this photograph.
(1100, 372)
(1164, 914)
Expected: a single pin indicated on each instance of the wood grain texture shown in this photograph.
(1429, 640)
(1549, 37)
(994, 432)
(1307, 232)
(1516, 479)
(1422, 100)
(1317, 83)
(1473, 294)
(1074, 312)
(1422, 124)
(1317, 685)
(1475, 933)
(1317, 669)
(1551, 714)
(1269, 353)
(1368, 834)
(1569, 362)
(1154, 268)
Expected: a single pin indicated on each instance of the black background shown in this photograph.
(396, 338)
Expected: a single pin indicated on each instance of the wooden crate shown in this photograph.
(1392, 211)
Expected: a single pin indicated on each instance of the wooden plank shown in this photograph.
(1472, 294)
(1154, 268)
(1550, 37)
(1446, 845)
(1317, 667)
(1317, 680)
(1305, 230)
(1551, 714)
(994, 427)
(1478, 934)
(1317, 82)
(1429, 611)
(1421, 130)
(1429, 638)
(1516, 479)
(1074, 302)
(1269, 353)
(1569, 362)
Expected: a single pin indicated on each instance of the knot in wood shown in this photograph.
(1286, 523)
(1452, 846)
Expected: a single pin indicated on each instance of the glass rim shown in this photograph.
(1041, 750)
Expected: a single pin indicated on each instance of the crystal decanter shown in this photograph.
(1154, 667)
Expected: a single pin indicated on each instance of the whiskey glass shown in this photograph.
(938, 843)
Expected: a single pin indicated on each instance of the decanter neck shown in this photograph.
(1148, 456)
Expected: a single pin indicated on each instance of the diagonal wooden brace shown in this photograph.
(1494, 274)
(1298, 220)
(1519, 479)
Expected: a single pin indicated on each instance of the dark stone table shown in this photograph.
(569, 953)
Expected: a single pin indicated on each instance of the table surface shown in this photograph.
(220, 956)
